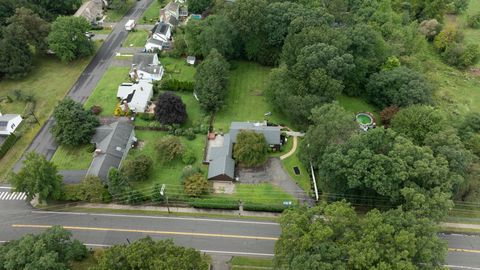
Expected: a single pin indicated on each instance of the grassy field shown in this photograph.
(76, 158)
(152, 14)
(48, 82)
(303, 179)
(117, 15)
(105, 94)
(136, 38)
(177, 68)
(249, 263)
(245, 101)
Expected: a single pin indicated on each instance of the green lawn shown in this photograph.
(303, 179)
(245, 101)
(356, 105)
(48, 82)
(177, 68)
(152, 14)
(72, 158)
(104, 31)
(117, 15)
(136, 38)
(250, 263)
(105, 94)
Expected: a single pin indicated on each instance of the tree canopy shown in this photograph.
(170, 109)
(39, 177)
(198, 6)
(68, 40)
(73, 124)
(251, 148)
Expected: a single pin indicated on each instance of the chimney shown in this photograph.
(135, 74)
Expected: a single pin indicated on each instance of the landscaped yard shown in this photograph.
(177, 68)
(302, 179)
(48, 82)
(136, 38)
(105, 94)
(152, 14)
(117, 15)
(245, 100)
(73, 158)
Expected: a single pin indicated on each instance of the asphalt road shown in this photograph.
(43, 142)
(219, 237)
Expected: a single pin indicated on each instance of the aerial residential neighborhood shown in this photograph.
(246, 134)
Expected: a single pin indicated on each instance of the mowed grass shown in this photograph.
(49, 81)
(250, 263)
(72, 158)
(105, 94)
(245, 101)
(356, 105)
(303, 179)
(177, 68)
(136, 38)
(152, 13)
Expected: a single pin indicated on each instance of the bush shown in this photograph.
(132, 196)
(72, 192)
(387, 115)
(90, 148)
(251, 148)
(95, 109)
(474, 21)
(169, 148)
(7, 144)
(263, 207)
(447, 37)
(189, 134)
(459, 56)
(188, 157)
(430, 28)
(196, 185)
(146, 116)
(176, 85)
(137, 169)
(214, 203)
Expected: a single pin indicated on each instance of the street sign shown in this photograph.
(162, 190)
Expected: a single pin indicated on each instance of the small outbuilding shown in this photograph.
(9, 123)
(191, 60)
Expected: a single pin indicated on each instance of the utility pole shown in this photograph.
(164, 193)
(34, 116)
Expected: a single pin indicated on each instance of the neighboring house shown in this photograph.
(161, 32)
(112, 143)
(170, 14)
(146, 66)
(183, 12)
(153, 45)
(92, 10)
(135, 96)
(9, 122)
(221, 164)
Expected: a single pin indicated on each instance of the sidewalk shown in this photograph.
(460, 225)
(180, 210)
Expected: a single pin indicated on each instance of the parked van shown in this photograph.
(130, 25)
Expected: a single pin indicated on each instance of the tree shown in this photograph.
(147, 254)
(120, 5)
(15, 55)
(137, 169)
(334, 237)
(68, 40)
(169, 109)
(211, 82)
(196, 185)
(448, 36)
(430, 28)
(73, 124)
(36, 29)
(251, 148)
(93, 190)
(400, 86)
(198, 6)
(416, 122)
(169, 148)
(331, 125)
(52, 249)
(117, 184)
(39, 177)
(387, 115)
(65, 7)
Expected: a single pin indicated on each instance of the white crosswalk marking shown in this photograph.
(12, 196)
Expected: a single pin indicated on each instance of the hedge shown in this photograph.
(263, 207)
(7, 144)
(176, 85)
(214, 203)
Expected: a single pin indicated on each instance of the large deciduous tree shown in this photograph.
(196, 185)
(169, 148)
(334, 237)
(151, 255)
(39, 177)
(36, 29)
(68, 40)
(15, 55)
(170, 109)
(73, 124)
(137, 169)
(198, 6)
(211, 82)
(251, 148)
(400, 86)
(52, 249)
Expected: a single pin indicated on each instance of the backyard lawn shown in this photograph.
(356, 105)
(152, 13)
(245, 101)
(48, 82)
(136, 38)
(302, 179)
(72, 158)
(177, 68)
(105, 94)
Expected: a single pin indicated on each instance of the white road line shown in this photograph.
(24, 196)
(9, 197)
(16, 196)
(238, 253)
(159, 217)
(2, 194)
(3, 187)
(462, 267)
(12, 196)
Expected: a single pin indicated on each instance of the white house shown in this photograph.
(146, 66)
(135, 96)
(162, 32)
(153, 45)
(9, 122)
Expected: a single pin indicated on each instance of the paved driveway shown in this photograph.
(273, 172)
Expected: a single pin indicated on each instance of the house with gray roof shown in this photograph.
(112, 143)
(146, 66)
(92, 10)
(221, 165)
(8, 123)
(135, 96)
(162, 32)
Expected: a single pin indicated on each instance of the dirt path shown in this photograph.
(292, 151)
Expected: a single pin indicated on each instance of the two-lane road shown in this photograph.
(44, 142)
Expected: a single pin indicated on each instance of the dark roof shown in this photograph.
(160, 28)
(143, 59)
(73, 176)
(172, 6)
(155, 41)
(221, 162)
(271, 133)
(173, 21)
(114, 142)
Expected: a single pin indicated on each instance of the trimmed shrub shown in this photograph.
(189, 170)
(188, 157)
(189, 134)
(95, 109)
(263, 207)
(7, 144)
(196, 185)
(176, 85)
(73, 192)
(214, 203)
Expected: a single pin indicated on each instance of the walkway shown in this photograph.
(292, 151)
